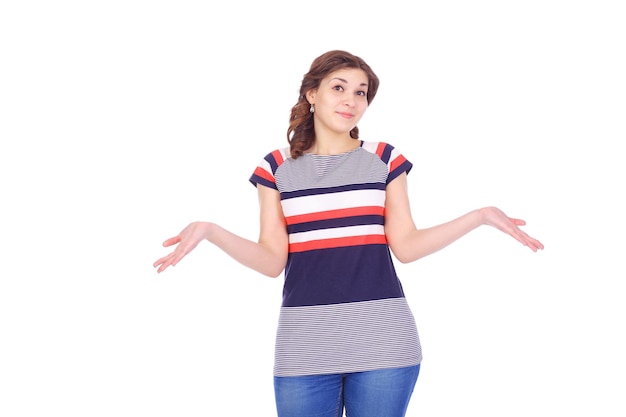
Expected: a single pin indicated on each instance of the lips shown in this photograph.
(345, 115)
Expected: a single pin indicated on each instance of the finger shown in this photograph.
(159, 261)
(164, 266)
(533, 244)
(522, 237)
(172, 241)
(181, 251)
(178, 257)
(536, 244)
(518, 222)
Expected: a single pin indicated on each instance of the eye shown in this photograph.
(362, 93)
(338, 88)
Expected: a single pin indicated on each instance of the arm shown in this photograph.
(409, 244)
(267, 256)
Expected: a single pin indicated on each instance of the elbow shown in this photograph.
(405, 259)
(403, 244)
(274, 270)
(404, 256)
(274, 273)
(278, 268)
(270, 264)
(401, 257)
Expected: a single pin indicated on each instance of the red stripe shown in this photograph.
(264, 174)
(336, 214)
(380, 149)
(396, 162)
(278, 157)
(337, 242)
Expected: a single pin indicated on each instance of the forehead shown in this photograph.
(350, 75)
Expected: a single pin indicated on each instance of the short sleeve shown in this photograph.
(397, 165)
(264, 172)
(395, 161)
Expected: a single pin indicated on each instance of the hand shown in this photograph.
(493, 216)
(187, 240)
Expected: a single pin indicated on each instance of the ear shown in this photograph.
(310, 96)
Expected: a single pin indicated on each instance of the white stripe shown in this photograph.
(333, 201)
(394, 154)
(349, 231)
(285, 153)
(370, 146)
(266, 166)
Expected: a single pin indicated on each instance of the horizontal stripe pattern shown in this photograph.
(349, 337)
(396, 162)
(335, 222)
(316, 203)
(336, 237)
(264, 172)
(336, 242)
(335, 214)
(364, 230)
(343, 305)
(304, 173)
(349, 214)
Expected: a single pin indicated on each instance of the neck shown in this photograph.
(336, 145)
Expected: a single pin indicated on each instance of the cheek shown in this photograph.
(358, 118)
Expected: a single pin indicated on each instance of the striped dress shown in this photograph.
(343, 307)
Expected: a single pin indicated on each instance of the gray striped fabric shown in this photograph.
(347, 337)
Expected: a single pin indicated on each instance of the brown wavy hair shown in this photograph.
(301, 133)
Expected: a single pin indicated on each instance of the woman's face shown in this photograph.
(341, 100)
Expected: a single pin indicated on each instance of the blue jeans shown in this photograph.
(381, 393)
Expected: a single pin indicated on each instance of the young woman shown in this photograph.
(332, 210)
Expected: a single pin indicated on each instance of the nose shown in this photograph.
(348, 100)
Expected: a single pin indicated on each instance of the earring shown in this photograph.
(312, 109)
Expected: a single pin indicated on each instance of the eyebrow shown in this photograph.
(346, 81)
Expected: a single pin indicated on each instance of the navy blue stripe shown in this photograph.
(334, 223)
(329, 190)
(272, 161)
(404, 167)
(386, 153)
(255, 179)
(340, 275)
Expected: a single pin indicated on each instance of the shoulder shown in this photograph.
(396, 162)
(384, 150)
(265, 171)
(277, 157)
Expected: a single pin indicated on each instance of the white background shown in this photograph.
(123, 121)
